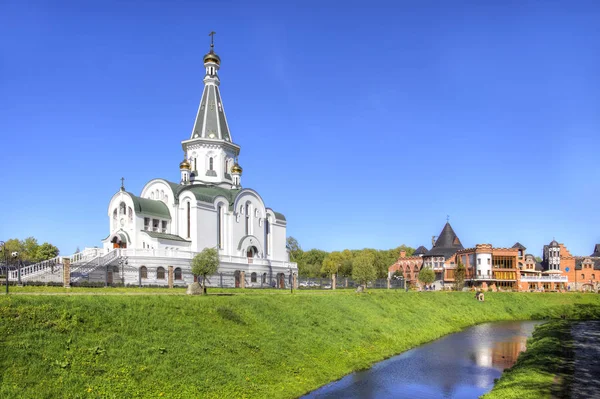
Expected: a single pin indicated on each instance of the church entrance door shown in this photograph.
(251, 253)
(281, 280)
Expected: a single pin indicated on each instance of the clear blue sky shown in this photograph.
(365, 124)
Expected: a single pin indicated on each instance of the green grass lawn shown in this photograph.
(256, 343)
(544, 370)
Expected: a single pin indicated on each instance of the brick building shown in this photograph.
(492, 267)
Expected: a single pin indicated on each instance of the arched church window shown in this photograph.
(247, 214)
(162, 194)
(130, 213)
(582, 276)
(264, 278)
(143, 272)
(210, 163)
(253, 278)
(122, 208)
(160, 273)
(115, 214)
(188, 219)
(151, 195)
(220, 223)
(177, 273)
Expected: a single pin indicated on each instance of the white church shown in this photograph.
(153, 236)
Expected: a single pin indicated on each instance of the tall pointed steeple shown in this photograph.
(211, 122)
(210, 150)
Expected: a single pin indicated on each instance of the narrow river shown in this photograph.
(460, 365)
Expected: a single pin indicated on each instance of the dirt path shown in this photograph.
(586, 345)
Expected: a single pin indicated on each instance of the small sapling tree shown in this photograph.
(426, 276)
(205, 264)
(363, 268)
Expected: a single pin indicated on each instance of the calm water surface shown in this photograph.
(461, 365)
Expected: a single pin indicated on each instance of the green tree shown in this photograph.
(363, 269)
(294, 247)
(205, 264)
(334, 261)
(46, 251)
(346, 268)
(538, 259)
(30, 250)
(459, 276)
(426, 276)
(310, 263)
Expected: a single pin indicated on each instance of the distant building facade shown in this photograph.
(489, 267)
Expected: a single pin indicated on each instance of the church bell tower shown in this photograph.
(210, 150)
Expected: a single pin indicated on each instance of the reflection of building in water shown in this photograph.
(505, 354)
(502, 355)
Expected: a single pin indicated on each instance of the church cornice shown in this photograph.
(216, 144)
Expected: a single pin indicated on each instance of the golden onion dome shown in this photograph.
(212, 57)
(184, 165)
(236, 168)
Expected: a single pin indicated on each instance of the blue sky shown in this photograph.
(365, 125)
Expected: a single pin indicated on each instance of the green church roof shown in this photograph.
(150, 207)
(164, 236)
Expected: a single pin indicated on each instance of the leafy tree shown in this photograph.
(346, 268)
(30, 250)
(294, 247)
(459, 276)
(363, 268)
(426, 276)
(205, 264)
(310, 263)
(538, 259)
(46, 251)
(334, 261)
(398, 274)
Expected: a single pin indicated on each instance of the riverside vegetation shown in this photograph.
(252, 346)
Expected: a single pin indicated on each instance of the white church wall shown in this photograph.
(205, 229)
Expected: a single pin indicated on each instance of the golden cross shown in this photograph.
(212, 38)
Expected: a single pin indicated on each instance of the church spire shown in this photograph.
(211, 122)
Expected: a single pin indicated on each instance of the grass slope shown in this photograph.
(544, 370)
(242, 346)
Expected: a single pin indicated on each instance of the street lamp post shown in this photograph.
(123, 262)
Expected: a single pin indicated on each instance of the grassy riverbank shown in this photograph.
(544, 370)
(256, 345)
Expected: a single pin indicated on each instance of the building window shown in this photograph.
(488, 261)
(210, 163)
(178, 273)
(188, 219)
(155, 223)
(146, 224)
(220, 226)
(253, 278)
(479, 261)
(130, 213)
(143, 272)
(164, 226)
(264, 278)
(122, 208)
(593, 276)
(247, 218)
(160, 273)
(267, 236)
(115, 215)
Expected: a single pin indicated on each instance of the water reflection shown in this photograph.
(461, 365)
